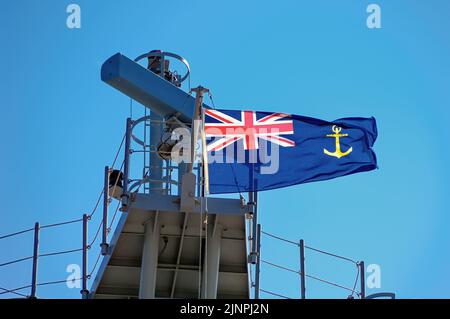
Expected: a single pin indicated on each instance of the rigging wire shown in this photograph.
(16, 233)
(13, 292)
(279, 238)
(95, 265)
(212, 101)
(15, 289)
(202, 211)
(114, 217)
(118, 151)
(274, 294)
(16, 261)
(310, 276)
(60, 252)
(39, 284)
(112, 166)
(61, 224)
(356, 280)
(281, 267)
(330, 283)
(331, 254)
(310, 248)
(101, 223)
(57, 282)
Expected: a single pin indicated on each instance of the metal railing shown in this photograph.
(101, 231)
(360, 275)
(86, 244)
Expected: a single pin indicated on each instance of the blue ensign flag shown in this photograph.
(257, 151)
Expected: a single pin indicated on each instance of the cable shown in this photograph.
(61, 224)
(118, 205)
(310, 276)
(112, 166)
(356, 280)
(96, 204)
(17, 233)
(330, 254)
(15, 261)
(311, 248)
(274, 294)
(96, 234)
(281, 267)
(166, 241)
(95, 265)
(114, 217)
(39, 284)
(330, 283)
(60, 252)
(15, 289)
(279, 238)
(13, 292)
(118, 151)
(100, 225)
(56, 225)
(235, 180)
(212, 101)
(5, 291)
(57, 282)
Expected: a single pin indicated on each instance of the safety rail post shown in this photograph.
(258, 260)
(302, 270)
(35, 261)
(126, 165)
(362, 279)
(85, 291)
(104, 245)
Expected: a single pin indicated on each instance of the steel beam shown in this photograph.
(211, 264)
(149, 265)
(147, 88)
(180, 250)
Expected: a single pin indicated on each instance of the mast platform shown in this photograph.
(179, 253)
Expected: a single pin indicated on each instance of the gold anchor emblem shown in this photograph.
(338, 153)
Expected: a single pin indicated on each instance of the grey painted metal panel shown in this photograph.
(147, 88)
(221, 206)
(118, 275)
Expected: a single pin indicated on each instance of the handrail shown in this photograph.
(87, 218)
(302, 273)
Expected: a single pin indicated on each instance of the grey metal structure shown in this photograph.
(166, 245)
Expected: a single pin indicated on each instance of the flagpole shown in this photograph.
(197, 120)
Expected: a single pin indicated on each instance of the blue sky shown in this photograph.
(61, 125)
